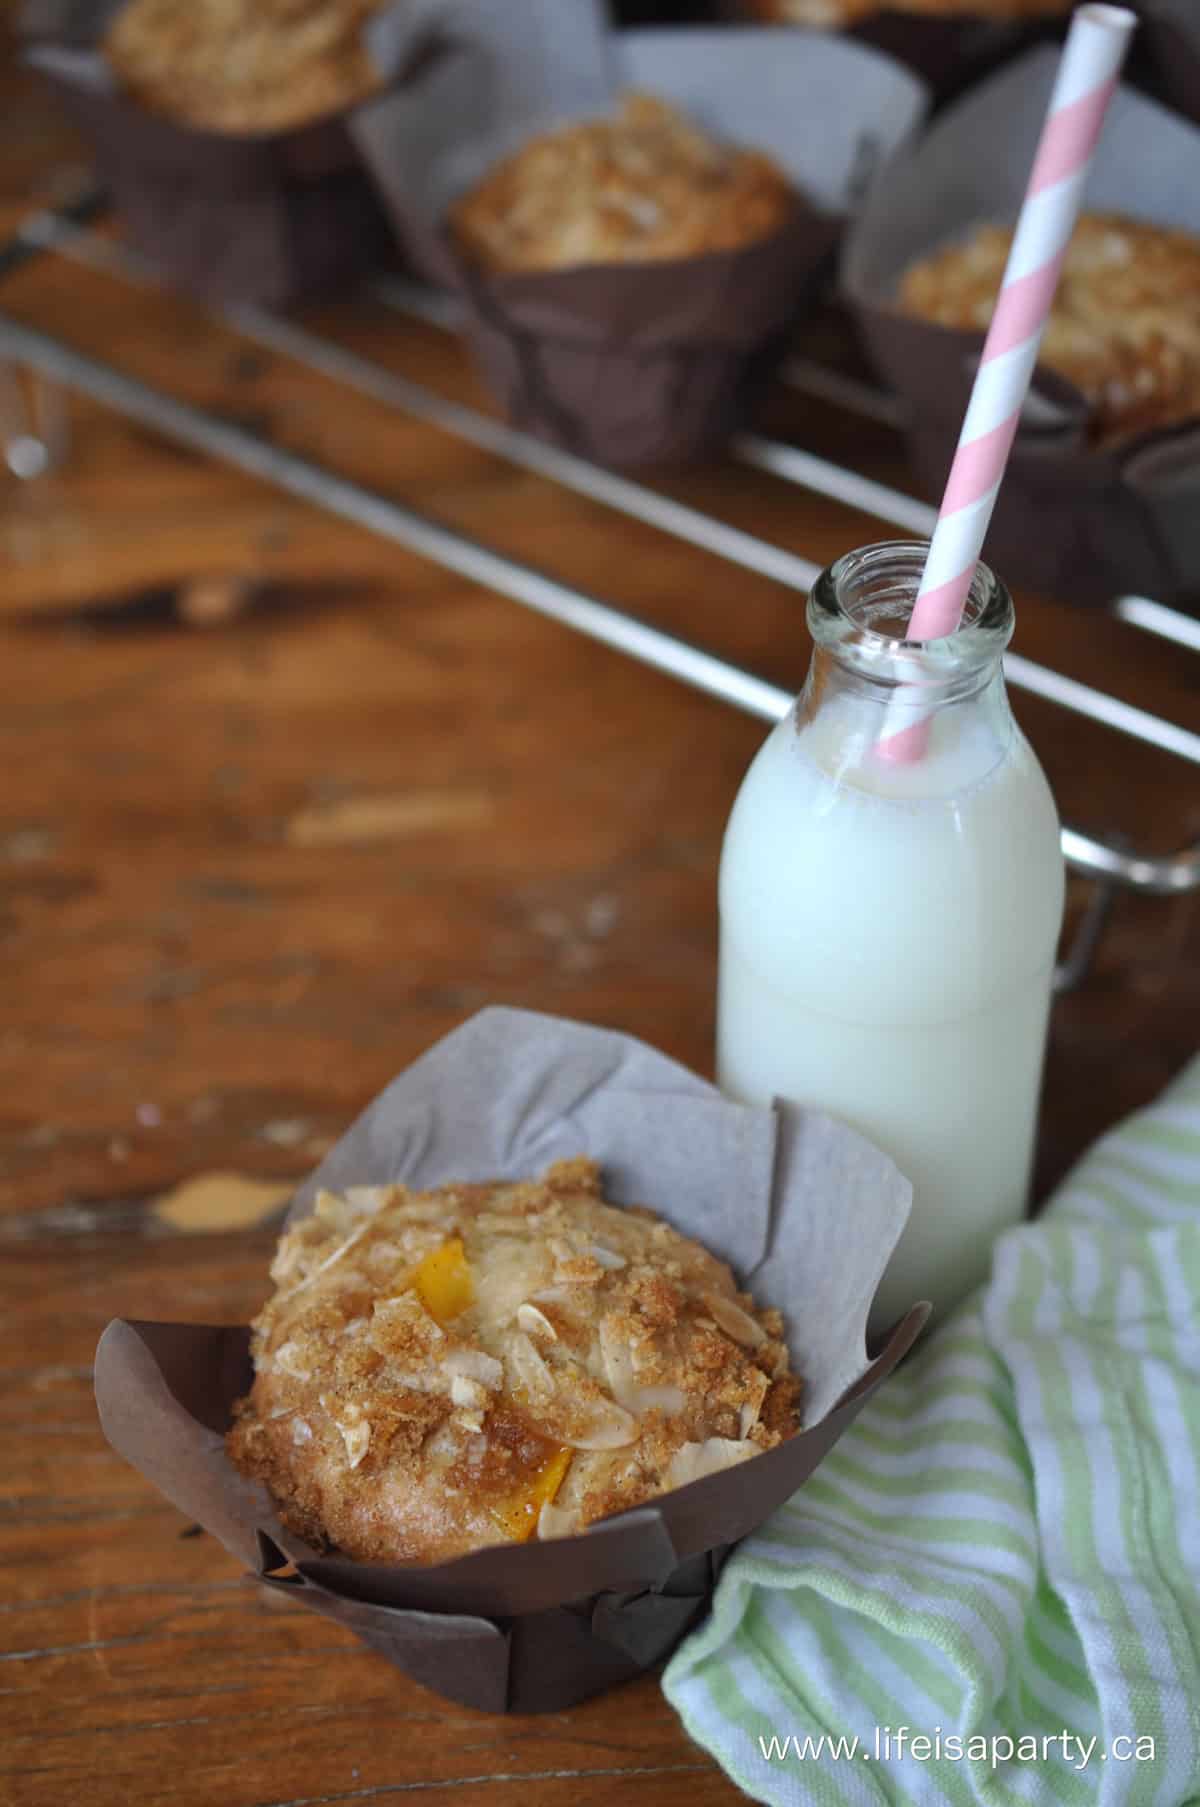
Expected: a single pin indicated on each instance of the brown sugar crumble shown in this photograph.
(1125, 325)
(243, 66)
(644, 185)
(439, 1371)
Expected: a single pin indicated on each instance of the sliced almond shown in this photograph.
(386, 1255)
(557, 1521)
(619, 1371)
(606, 1257)
(735, 1322)
(692, 1461)
(426, 1211)
(599, 1424)
(288, 1358)
(750, 1408)
(365, 1201)
(666, 1398)
(515, 1223)
(329, 1261)
(357, 1438)
(529, 1372)
(535, 1322)
(474, 1364)
(287, 1258)
(617, 1357)
(467, 1392)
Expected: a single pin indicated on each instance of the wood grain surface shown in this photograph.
(248, 871)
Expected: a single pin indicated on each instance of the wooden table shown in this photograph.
(247, 874)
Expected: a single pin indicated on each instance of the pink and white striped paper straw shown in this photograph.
(1087, 79)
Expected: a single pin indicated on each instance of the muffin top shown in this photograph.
(1125, 327)
(643, 186)
(243, 66)
(480, 1364)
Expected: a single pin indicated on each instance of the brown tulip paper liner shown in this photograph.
(634, 364)
(263, 218)
(948, 52)
(803, 1208)
(1083, 521)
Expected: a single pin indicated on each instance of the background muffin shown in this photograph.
(1125, 328)
(441, 1371)
(656, 347)
(642, 186)
(1101, 486)
(243, 65)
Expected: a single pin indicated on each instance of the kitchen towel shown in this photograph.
(1002, 1556)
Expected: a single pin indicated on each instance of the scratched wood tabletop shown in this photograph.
(249, 870)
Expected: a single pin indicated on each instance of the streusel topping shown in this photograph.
(642, 186)
(1125, 326)
(244, 66)
(444, 1370)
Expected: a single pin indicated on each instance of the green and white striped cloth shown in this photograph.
(1005, 1548)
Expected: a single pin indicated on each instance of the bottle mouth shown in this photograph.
(867, 597)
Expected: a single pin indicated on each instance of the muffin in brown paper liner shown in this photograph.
(805, 1208)
(267, 219)
(636, 364)
(1085, 520)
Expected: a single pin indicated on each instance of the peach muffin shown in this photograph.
(243, 66)
(479, 1364)
(1125, 326)
(643, 186)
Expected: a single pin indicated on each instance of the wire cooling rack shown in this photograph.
(30, 446)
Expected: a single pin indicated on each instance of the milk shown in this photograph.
(887, 944)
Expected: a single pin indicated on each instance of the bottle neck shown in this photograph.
(865, 677)
(841, 721)
(831, 683)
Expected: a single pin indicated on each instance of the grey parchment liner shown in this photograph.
(1082, 521)
(635, 363)
(232, 218)
(806, 1211)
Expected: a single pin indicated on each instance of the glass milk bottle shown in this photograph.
(888, 930)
